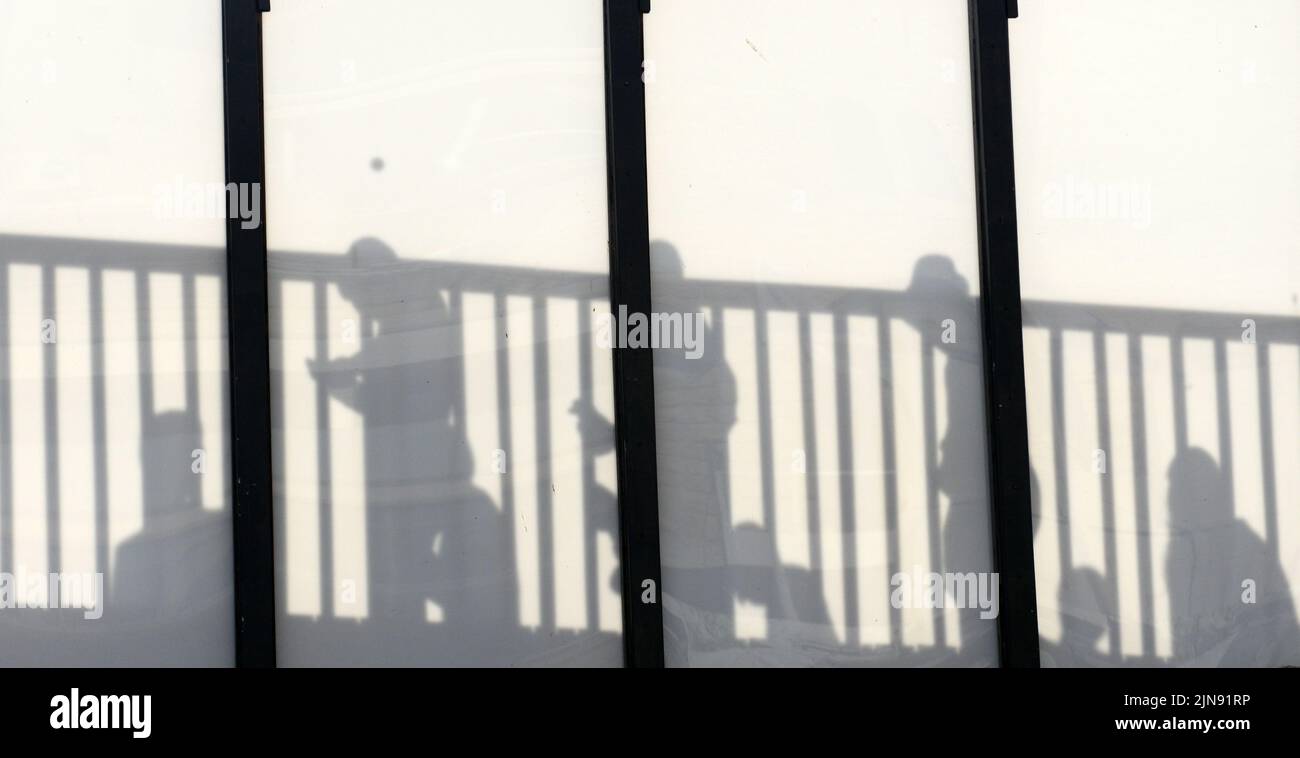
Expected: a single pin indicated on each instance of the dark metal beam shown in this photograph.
(1004, 371)
(629, 275)
(249, 342)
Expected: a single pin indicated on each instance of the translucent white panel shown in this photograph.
(821, 439)
(443, 410)
(115, 541)
(1158, 177)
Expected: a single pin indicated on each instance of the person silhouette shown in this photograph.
(1228, 595)
(431, 536)
(1085, 601)
(694, 411)
(937, 294)
(709, 564)
(170, 583)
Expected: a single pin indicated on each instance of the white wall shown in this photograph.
(111, 110)
(1158, 171)
(795, 147)
(441, 504)
(445, 481)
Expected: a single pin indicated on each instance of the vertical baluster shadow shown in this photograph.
(1263, 369)
(933, 522)
(1223, 409)
(6, 431)
(545, 470)
(50, 374)
(504, 433)
(99, 421)
(590, 517)
(812, 467)
(723, 475)
(1060, 455)
(324, 450)
(189, 327)
(767, 457)
(888, 445)
(1179, 387)
(1141, 494)
(1110, 550)
(845, 476)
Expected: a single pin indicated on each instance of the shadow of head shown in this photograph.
(668, 278)
(172, 457)
(1198, 495)
(373, 270)
(939, 303)
(935, 276)
(665, 263)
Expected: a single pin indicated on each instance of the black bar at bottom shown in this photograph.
(1004, 370)
(629, 273)
(249, 343)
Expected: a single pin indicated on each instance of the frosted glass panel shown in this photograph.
(115, 542)
(821, 440)
(443, 411)
(1158, 177)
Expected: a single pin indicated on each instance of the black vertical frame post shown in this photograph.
(629, 274)
(1004, 369)
(249, 341)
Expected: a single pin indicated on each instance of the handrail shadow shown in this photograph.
(443, 481)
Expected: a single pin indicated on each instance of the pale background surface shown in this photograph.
(108, 108)
(1158, 167)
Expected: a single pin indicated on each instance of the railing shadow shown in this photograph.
(444, 481)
